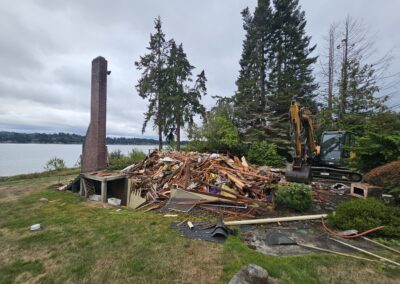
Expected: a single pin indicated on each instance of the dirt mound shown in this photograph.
(387, 176)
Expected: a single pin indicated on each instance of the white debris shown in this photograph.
(214, 156)
(63, 187)
(114, 201)
(167, 160)
(95, 197)
(35, 227)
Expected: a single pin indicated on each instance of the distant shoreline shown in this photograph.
(66, 138)
(55, 143)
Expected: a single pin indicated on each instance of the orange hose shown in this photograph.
(352, 236)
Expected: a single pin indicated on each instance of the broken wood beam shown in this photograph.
(240, 184)
(235, 214)
(242, 172)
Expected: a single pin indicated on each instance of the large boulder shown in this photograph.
(252, 274)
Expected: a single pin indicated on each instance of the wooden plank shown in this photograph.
(379, 244)
(335, 252)
(274, 220)
(366, 252)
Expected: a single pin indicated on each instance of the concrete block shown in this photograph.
(365, 190)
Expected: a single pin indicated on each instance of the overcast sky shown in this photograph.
(46, 49)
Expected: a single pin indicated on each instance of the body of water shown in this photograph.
(18, 159)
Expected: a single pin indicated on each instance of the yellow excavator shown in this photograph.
(325, 161)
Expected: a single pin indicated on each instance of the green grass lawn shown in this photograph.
(81, 242)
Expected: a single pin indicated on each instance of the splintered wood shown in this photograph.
(224, 185)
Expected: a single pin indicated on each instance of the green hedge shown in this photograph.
(363, 215)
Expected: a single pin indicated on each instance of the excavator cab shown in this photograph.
(334, 148)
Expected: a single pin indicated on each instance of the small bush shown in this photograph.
(54, 164)
(366, 214)
(118, 161)
(262, 153)
(136, 156)
(115, 155)
(296, 197)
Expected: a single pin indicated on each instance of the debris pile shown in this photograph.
(387, 176)
(213, 182)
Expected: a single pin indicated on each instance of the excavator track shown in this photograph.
(335, 174)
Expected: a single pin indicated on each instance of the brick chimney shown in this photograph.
(94, 149)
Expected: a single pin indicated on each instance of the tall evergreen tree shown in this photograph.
(250, 100)
(291, 63)
(276, 67)
(183, 100)
(152, 84)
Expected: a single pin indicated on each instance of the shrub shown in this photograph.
(115, 155)
(118, 161)
(54, 164)
(136, 156)
(366, 214)
(379, 143)
(262, 153)
(295, 196)
(218, 134)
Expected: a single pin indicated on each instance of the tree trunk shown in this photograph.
(344, 83)
(160, 143)
(331, 68)
(178, 135)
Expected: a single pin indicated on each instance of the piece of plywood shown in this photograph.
(177, 199)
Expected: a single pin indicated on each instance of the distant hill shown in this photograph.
(66, 138)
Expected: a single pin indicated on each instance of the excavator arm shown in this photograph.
(302, 125)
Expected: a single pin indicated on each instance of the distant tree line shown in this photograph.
(66, 138)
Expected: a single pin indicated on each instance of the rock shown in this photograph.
(45, 200)
(252, 274)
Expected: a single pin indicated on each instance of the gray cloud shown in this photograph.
(46, 49)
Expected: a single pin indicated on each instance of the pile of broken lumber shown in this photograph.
(217, 183)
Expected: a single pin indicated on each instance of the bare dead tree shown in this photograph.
(344, 78)
(363, 66)
(331, 63)
(327, 73)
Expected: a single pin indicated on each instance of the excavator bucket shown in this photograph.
(301, 175)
